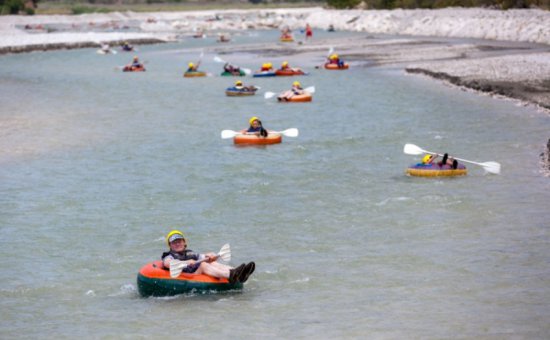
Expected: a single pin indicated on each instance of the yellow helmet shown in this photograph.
(285, 63)
(269, 65)
(296, 83)
(426, 159)
(238, 82)
(191, 65)
(251, 120)
(264, 65)
(174, 235)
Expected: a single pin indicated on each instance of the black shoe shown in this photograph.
(248, 270)
(455, 164)
(234, 274)
(444, 161)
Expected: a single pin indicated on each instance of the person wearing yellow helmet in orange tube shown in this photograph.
(255, 128)
(295, 90)
(178, 251)
(335, 59)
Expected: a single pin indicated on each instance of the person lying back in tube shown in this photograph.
(429, 159)
(178, 251)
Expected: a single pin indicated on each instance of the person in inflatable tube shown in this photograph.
(256, 128)
(135, 64)
(192, 67)
(267, 67)
(335, 59)
(178, 251)
(429, 159)
(236, 70)
(240, 87)
(296, 89)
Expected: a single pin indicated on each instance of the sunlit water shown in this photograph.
(96, 166)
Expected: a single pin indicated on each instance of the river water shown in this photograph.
(96, 166)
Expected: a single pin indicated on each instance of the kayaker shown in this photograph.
(192, 67)
(284, 66)
(239, 85)
(295, 90)
(335, 59)
(429, 159)
(106, 48)
(178, 251)
(266, 67)
(127, 47)
(256, 128)
(135, 63)
(236, 70)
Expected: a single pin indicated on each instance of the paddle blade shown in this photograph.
(330, 50)
(310, 89)
(246, 71)
(176, 267)
(292, 132)
(411, 149)
(268, 95)
(219, 60)
(225, 253)
(228, 134)
(491, 167)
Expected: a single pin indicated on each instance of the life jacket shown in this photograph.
(187, 254)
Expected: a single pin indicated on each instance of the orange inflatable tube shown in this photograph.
(336, 67)
(272, 138)
(299, 98)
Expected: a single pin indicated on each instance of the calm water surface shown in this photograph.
(96, 166)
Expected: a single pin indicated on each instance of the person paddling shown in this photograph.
(256, 128)
(178, 251)
(192, 67)
(295, 90)
(234, 70)
(335, 59)
(429, 160)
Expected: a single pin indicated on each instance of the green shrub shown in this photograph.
(12, 6)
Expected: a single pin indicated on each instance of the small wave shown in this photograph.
(304, 280)
(90, 293)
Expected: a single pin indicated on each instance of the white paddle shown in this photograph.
(310, 89)
(177, 266)
(491, 167)
(292, 132)
(330, 51)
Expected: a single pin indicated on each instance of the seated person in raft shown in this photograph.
(232, 69)
(295, 90)
(135, 63)
(192, 67)
(127, 47)
(178, 251)
(240, 87)
(335, 59)
(256, 128)
(286, 67)
(266, 67)
(429, 159)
